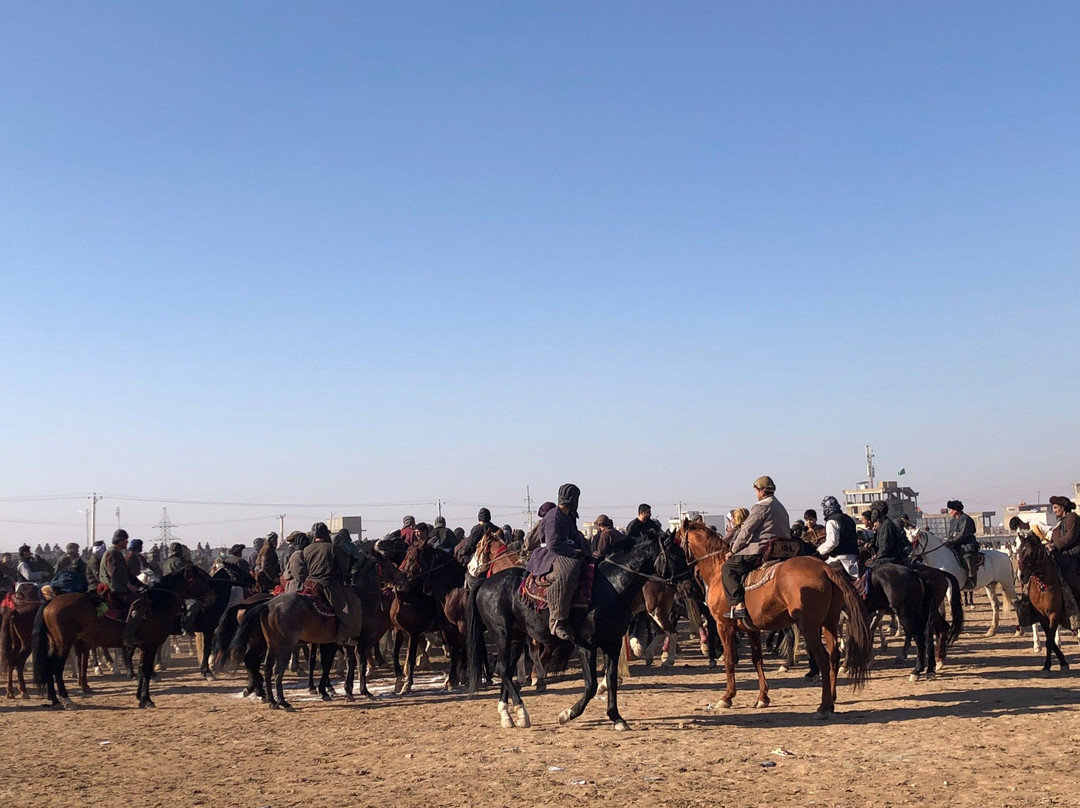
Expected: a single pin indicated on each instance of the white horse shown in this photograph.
(996, 568)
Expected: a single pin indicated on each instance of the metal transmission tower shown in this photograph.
(528, 510)
(870, 463)
(165, 536)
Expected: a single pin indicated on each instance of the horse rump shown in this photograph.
(251, 621)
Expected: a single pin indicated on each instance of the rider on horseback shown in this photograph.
(559, 558)
(768, 519)
(1065, 539)
(961, 540)
(890, 546)
(327, 566)
(840, 547)
(123, 591)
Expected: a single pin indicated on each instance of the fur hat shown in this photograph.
(72, 547)
(954, 505)
(483, 515)
(603, 520)
(545, 508)
(119, 536)
(1063, 502)
(320, 532)
(135, 546)
(408, 521)
(569, 495)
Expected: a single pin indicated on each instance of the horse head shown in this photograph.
(1030, 553)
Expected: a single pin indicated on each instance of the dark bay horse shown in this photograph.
(803, 591)
(72, 620)
(16, 630)
(1040, 581)
(430, 598)
(287, 620)
(619, 577)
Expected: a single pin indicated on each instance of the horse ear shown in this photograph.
(685, 523)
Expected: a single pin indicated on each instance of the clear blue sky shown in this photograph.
(357, 253)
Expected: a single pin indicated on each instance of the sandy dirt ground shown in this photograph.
(988, 731)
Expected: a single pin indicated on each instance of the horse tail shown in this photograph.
(474, 641)
(859, 642)
(240, 641)
(956, 609)
(7, 642)
(226, 630)
(43, 658)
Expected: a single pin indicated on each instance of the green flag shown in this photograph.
(902, 471)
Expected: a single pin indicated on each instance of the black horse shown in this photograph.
(622, 573)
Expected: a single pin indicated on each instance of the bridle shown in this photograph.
(692, 562)
(662, 562)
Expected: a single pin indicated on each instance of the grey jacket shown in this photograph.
(768, 519)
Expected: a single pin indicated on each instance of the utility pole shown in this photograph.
(117, 517)
(438, 504)
(528, 510)
(93, 518)
(281, 527)
(870, 463)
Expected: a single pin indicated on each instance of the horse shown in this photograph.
(497, 604)
(278, 638)
(995, 567)
(1041, 582)
(657, 604)
(430, 599)
(72, 620)
(804, 591)
(16, 630)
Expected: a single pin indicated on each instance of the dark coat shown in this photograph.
(559, 536)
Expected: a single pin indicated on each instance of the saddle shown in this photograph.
(313, 592)
(116, 607)
(782, 549)
(763, 574)
(534, 589)
(24, 594)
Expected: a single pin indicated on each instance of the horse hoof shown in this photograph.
(145, 704)
(1046, 673)
(97, 670)
(327, 697)
(564, 716)
(725, 703)
(668, 663)
(782, 669)
(914, 677)
(209, 676)
(821, 715)
(273, 705)
(931, 675)
(541, 687)
(312, 691)
(247, 691)
(84, 690)
(10, 695)
(622, 726)
(523, 719)
(287, 707)
(759, 704)
(349, 697)
(67, 704)
(506, 722)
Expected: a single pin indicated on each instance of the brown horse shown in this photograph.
(1040, 581)
(804, 591)
(16, 628)
(433, 586)
(72, 620)
(657, 602)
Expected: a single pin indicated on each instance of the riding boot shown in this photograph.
(131, 629)
(972, 564)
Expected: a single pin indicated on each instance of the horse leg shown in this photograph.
(268, 677)
(759, 666)
(351, 653)
(816, 649)
(327, 652)
(399, 674)
(995, 610)
(313, 651)
(410, 663)
(539, 674)
(611, 679)
(509, 651)
(83, 656)
(281, 662)
(588, 673)
(726, 630)
(146, 671)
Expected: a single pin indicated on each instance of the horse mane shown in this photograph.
(714, 542)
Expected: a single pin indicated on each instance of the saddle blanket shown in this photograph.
(762, 575)
(534, 592)
(315, 594)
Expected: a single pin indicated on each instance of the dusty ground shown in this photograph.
(989, 731)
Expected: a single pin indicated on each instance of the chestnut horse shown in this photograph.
(1040, 581)
(72, 620)
(804, 591)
